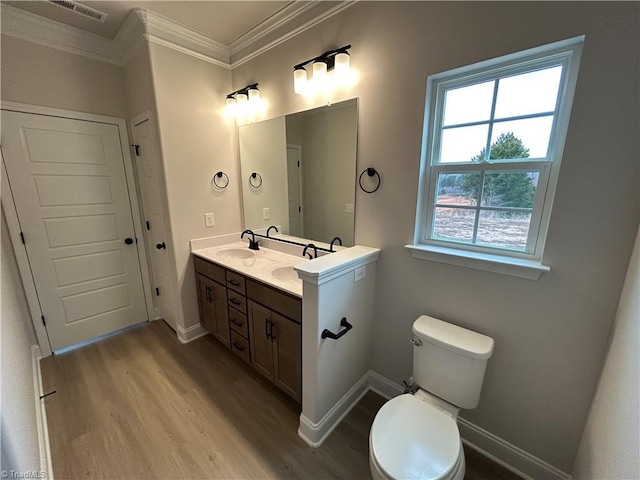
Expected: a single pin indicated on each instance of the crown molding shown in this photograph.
(36, 29)
(258, 49)
(142, 24)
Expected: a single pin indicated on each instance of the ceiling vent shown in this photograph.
(81, 9)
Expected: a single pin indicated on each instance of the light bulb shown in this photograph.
(299, 80)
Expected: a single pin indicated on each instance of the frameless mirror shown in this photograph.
(299, 171)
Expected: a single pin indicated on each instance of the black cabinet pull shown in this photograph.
(207, 293)
(235, 301)
(161, 246)
(329, 334)
(235, 283)
(271, 331)
(266, 328)
(236, 322)
(238, 346)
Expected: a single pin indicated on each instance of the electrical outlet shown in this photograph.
(266, 214)
(348, 207)
(360, 273)
(208, 220)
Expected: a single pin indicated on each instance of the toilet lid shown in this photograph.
(412, 439)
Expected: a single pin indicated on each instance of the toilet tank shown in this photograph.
(450, 361)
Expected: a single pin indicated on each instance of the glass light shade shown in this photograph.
(242, 99)
(299, 80)
(231, 105)
(319, 71)
(342, 63)
(254, 95)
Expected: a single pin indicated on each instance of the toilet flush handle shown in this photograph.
(416, 341)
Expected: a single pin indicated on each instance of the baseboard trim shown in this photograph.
(511, 457)
(186, 335)
(314, 434)
(41, 414)
(486, 443)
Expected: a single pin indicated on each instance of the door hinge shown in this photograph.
(299, 209)
(22, 238)
(157, 292)
(148, 224)
(44, 322)
(137, 149)
(298, 163)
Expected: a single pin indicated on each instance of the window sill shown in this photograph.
(515, 267)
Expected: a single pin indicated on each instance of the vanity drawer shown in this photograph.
(240, 346)
(211, 270)
(275, 300)
(238, 322)
(237, 301)
(235, 281)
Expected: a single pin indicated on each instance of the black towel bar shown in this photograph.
(329, 334)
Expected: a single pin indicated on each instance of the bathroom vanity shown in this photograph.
(273, 307)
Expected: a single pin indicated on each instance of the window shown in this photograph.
(493, 139)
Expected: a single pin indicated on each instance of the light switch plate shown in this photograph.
(209, 220)
(266, 214)
(348, 207)
(360, 273)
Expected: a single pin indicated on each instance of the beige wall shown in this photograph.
(196, 141)
(551, 334)
(19, 433)
(39, 75)
(610, 442)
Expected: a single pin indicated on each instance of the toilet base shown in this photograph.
(457, 473)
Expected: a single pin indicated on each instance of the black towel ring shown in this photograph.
(255, 180)
(370, 171)
(218, 183)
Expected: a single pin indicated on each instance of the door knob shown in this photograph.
(161, 246)
(128, 240)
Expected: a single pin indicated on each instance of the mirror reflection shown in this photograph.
(299, 171)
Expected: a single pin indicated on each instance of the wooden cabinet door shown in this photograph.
(287, 355)
(207, 318)
(260, 339)
(218, 297)
(212, 301)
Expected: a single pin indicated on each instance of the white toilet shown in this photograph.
(416, 436)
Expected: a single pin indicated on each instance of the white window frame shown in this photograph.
(528, 263)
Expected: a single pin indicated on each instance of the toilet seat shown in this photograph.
(412, 439)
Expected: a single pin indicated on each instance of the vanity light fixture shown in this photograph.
(243, 100)
(337, 60)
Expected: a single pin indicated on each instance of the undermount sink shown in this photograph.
(285, 274)
(235, 253)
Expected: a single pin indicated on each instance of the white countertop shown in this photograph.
(265, 265)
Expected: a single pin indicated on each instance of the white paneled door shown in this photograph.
(69, 186)
(146, 160)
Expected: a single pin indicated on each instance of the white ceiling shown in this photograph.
(223, 21)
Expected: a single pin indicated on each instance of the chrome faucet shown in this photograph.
(315, 251)
(253, 243)
(336, 239)
(269, 229)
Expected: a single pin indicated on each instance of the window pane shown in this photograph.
(458, 188)
(528, 93)
(454, 224)
(503, 229)
(463, 144)
(521, 138)
(509, 189)
(468, 104)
